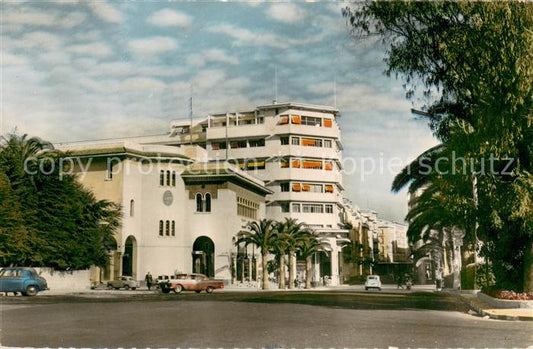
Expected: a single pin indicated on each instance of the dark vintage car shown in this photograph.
(188, 282)
(24, 280)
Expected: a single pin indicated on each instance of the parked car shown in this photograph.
(373, 281)
(125, 282)
(189, 282)
(24, 280)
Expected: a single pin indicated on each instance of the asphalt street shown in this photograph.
(254, 319)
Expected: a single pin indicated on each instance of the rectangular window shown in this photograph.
(312, 164)
(218, 145)
(173, 178)
(284, 163)
(295, 140)
(306, 187)
(328, 123)
(316, 188)
(329, 208)
(284, 206)
(173, 231)
(284, 140)
(167, 228)
(296, 187)
(255, 165)
(284, 120)
(257, 142)
(328, 188)
(295, 163)
(296, 119)
(247, 208)
(168, 178)
(327, 143)
(109, 170)
(284, 187)
(295, 207)
(311, 121)
(161, 228)
(162, 178)
(329, 166)
(238, 144)
(313, 208)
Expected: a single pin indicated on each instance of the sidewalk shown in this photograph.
(486, 310)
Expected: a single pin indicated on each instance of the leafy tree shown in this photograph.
(473, 62)
(262, 234)
(62, 223)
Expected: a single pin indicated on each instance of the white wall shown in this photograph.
(78, 280)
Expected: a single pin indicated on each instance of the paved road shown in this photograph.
(272, 320)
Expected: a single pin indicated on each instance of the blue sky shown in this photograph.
(82, 70)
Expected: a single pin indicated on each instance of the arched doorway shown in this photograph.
(203, 256)
(129, 257)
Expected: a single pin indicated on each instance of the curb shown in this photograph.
(475, 307)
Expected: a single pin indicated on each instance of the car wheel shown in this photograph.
(126, 287)
(178, 289)
(165, 290)
(197, 291)
(109, 287)
(31, 291)
(209, 289)
(134, 288)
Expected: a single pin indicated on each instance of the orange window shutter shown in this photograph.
(329, 189)
(296, 187)
(308, 142)
(328, 123)
(284, 164)
(215, 146)
(296, 163)
(296, 119)
(329, 166)
(306, 187)
(284, 120)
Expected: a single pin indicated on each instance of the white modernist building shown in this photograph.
(275, 161)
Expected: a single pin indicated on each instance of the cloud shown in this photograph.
(95, 49)
(286, 13)
(169, 18)
(11, 59)
(245, 36)
(28, 17)
(142, 84)
(152, 46)
(105, 12)
(211, 55)
(39, 39)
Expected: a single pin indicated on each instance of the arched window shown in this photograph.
(167, 228)
(132, 207)
(208, 202)
(162, 177)
(173, 178)
(160, 228)
(173, 232)
(199, 203)
(168, 178)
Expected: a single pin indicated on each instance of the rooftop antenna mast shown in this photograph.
(190, 114)
(275, 84)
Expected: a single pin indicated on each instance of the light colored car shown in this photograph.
(373, 281)
(188, 282)
(125, 282)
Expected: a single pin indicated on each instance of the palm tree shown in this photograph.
(309, 245)
(262, 234)
(279, 249)
(292, 233)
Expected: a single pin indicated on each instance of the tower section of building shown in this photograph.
(295, 148)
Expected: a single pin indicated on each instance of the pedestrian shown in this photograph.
(149, 280)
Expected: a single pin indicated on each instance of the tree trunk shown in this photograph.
(528, 267)
(308, 272)
(265, 271)
(282, 272)
(291, 271)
